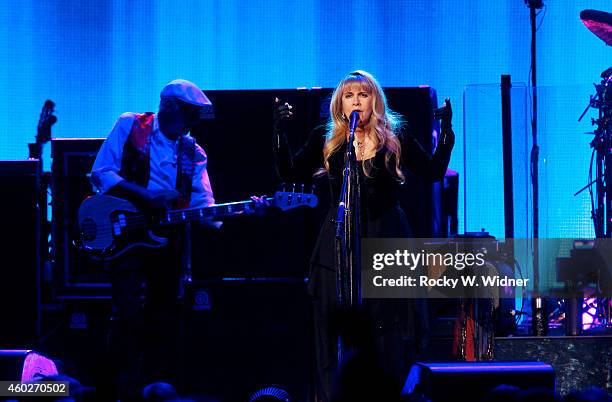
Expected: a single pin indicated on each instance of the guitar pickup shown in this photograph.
(116, 229)
(119, 224)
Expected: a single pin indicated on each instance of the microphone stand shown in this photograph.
(539, 328)
(348, 238)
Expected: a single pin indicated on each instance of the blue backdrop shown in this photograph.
(97, 59)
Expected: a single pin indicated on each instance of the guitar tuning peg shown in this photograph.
(302, 190)
(293, 188)
(283, 187)
(312, 189)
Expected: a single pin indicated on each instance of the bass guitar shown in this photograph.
(110, 226)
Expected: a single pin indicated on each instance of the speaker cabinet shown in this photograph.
(20, 253)
(74, 272)
(471, 381)
(244, 335)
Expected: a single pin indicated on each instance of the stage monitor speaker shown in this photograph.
(471, 381)
(20, 253)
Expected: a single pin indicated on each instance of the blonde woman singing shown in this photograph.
(382, 151)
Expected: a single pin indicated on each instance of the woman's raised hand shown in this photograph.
(283, 112)
(445, 115)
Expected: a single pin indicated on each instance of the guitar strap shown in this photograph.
(135, 162)
(185, 170)
(136, 151)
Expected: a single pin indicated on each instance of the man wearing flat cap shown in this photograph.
(145, 154)
(149, 151)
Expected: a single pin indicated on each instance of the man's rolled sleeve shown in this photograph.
(201, 191)
(105, 170)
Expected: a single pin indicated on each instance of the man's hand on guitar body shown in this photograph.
(148, 201)
(159, 201)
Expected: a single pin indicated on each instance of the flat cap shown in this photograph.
(186, 91)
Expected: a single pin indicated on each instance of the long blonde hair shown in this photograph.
(383, 125)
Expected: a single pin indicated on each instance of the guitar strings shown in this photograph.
(135, 222)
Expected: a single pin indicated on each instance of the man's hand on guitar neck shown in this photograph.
(261, 207)
(261, 204)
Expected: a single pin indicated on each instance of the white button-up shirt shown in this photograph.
(163, 163)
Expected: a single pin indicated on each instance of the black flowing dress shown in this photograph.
(398, 322)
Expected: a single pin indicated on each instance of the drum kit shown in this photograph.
(600, 23)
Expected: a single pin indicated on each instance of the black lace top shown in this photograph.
(381, 215)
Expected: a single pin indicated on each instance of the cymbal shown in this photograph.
(598, 22)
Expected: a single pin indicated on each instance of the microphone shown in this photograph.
(353, 121)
